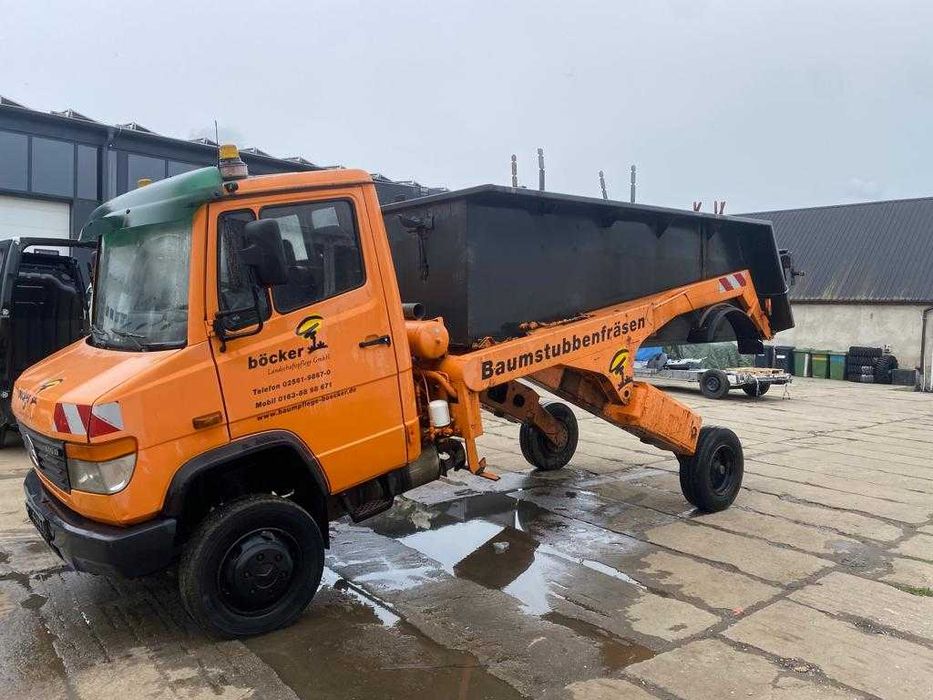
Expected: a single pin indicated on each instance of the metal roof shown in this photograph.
(870, 252)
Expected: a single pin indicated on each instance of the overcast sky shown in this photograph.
(765, 104)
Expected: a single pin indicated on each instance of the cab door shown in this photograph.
(316, 359)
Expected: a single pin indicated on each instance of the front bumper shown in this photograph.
(90, 546)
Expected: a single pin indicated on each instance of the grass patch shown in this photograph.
(916, 590)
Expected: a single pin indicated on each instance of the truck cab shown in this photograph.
(202, 384)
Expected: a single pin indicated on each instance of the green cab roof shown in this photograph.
(173, 199)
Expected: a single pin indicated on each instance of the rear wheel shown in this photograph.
(714, 384)
(538, 449)
(252, 566)
(756, 389)
(711, 478)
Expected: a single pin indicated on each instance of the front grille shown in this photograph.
(49, 457)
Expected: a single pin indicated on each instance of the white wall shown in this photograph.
(21, 217)
(837, 326)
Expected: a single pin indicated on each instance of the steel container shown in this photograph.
(490, 258)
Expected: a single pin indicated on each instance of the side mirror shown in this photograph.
(264, 252)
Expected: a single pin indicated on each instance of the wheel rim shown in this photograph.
(712, 384)
(722, 471)
(256, 571)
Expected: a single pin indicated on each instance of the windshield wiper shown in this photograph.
(98, 333)
(104, 334)
(133, 337)
(146, 344)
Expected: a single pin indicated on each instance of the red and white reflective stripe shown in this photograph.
(81, 419)
(730, 282)
(105, 418)
(71, 418)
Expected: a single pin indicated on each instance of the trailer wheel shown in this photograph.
(711, 478)
(757, 389)
(252, 566)
(538, 450)
(714, 384)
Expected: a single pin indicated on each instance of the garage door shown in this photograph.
(21, 217)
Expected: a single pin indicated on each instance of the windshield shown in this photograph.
(141, 293)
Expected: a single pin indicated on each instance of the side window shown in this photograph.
(235, 280)
(322, 249)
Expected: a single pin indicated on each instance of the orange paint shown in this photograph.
(320, 373)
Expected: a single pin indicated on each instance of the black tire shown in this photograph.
(265, 538)
(714, 384)
(884, 368)
(711, 478)
(865, 351)
(686, 482)
(756, 390)
(538, 450)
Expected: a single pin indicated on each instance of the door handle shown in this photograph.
(381, 340)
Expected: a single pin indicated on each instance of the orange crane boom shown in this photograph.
(586, 361)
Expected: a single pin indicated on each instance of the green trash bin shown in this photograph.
(801, 362)
(819, 364)
(837, 365)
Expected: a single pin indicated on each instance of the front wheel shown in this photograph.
(538, 449)
(252, 566)
(711, 478)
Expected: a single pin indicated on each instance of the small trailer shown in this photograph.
(716, 383)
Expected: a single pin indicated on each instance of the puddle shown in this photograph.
(21, 579)
(486, 539)
(381, 611)
(34, 601)
(349, 644)
(399, 579)
(616, 653)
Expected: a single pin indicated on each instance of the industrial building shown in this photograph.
(866, 276)
(56, 168)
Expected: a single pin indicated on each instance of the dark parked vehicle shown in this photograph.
(43, 306)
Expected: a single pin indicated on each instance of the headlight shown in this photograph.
(102, 468)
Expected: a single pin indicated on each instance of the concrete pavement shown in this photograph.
(598, 581)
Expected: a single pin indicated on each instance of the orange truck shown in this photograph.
(252, 374)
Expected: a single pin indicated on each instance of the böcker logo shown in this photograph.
(309, 328)
(617, 366)
(49, 383)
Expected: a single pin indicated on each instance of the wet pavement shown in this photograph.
(598, 581)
